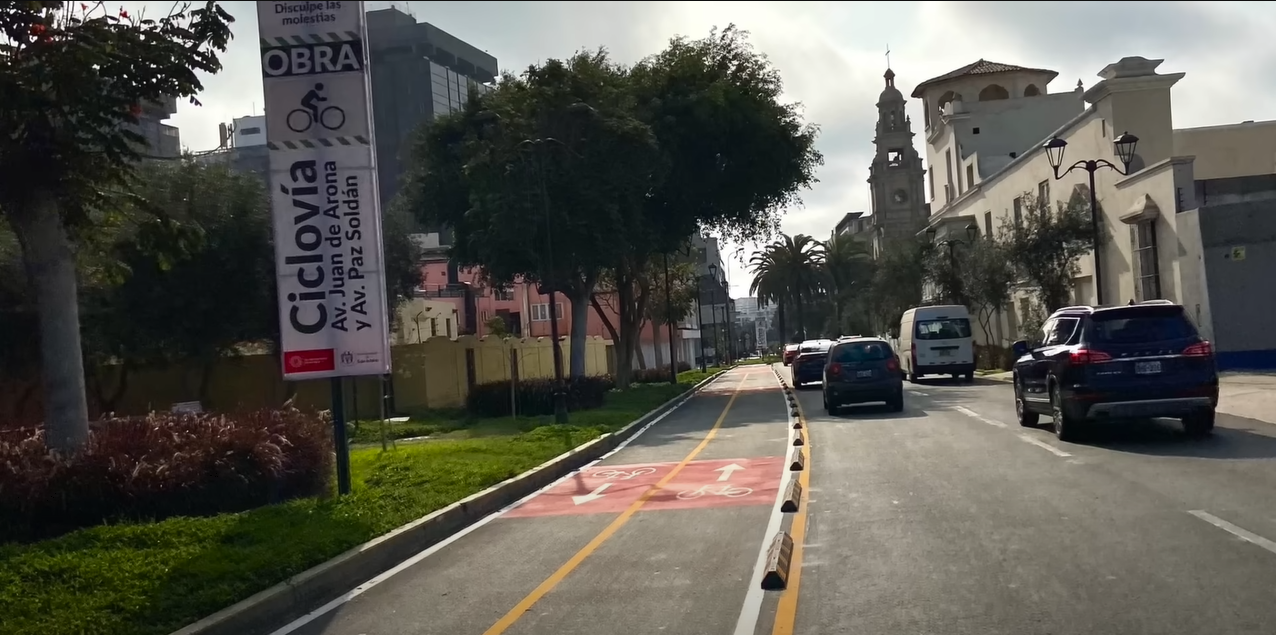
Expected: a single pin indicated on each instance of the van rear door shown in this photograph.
(942, 341)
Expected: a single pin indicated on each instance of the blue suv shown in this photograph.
(1096, 364)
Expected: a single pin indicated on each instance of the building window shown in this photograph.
(1018, 211)
(1147, 277)
(540, 312)
(247, 131)
(1043, 195)
(504, 295)
(970, 175)
(930, 174)
(988, 225)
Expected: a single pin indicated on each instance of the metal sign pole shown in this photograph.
(340, 440)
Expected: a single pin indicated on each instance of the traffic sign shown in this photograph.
(316, 107)
(611, 489)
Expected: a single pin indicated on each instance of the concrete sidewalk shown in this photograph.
(1249, 395)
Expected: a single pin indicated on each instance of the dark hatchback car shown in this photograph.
(1091, 365)
(862, 370)
(808, 365)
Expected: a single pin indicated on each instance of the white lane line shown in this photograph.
(1044, 446)
(1022, 437)
(446, 542)
(1239, 532)
(975, 415)
(750, 611)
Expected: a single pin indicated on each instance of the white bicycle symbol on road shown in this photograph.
(708, 490)
(623, 475)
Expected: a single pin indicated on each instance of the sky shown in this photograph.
(832, 55)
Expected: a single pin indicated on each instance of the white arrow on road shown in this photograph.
(592, 496)
(727, 471)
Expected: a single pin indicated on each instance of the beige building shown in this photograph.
(1194, 199)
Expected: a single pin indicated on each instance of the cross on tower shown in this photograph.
(888, 56)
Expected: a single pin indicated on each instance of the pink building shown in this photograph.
(526, 311)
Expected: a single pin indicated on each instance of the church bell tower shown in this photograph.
(896, 177)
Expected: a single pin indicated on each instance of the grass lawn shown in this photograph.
(152, 578)
(455, 425)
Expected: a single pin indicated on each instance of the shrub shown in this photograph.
(162, 465)
(656, 375)
(536, 396)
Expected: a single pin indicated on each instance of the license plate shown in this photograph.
(864, 373)
(945, 353)
(1147, 368)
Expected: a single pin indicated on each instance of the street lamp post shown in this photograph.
(700, 322)
(1124, 148)
(972, 234)
(540, 145)
(717, 344)
(726, 317)
(673, 359)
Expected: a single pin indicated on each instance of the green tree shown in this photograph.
(542, 179)
(72, 86)
(897, 282)
(790, 266)
(197, 277)
(846, 268)
(990, 280)
(1046, 245)
(694, 138)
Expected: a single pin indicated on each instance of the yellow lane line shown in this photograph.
(553, 580)
(786, 610)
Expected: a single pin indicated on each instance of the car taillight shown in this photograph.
(912, 350)
(1085, 356)
(892, 364)
(835, 369)
(1199, 349)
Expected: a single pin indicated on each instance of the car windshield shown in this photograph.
(1139, 327)
(815, 347)
(861, 352)
(943, 329)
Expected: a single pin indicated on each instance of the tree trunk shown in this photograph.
(49, 256)
(779, 318)
(579, 298)
(655, 344)
(580, 321)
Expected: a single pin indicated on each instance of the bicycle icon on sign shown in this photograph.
(304, 118)
(623, 475)
(707, 490)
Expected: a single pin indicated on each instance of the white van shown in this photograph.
(937, 340)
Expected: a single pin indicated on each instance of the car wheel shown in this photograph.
(896, 402)
(911, 377)
(1065, 427)
(829, 407)
(1026, 417)
(1200, 424)
(969, 378)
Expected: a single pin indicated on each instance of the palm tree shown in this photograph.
(846, 270)
(787, 270)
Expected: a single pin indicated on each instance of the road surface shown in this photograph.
(945, 519)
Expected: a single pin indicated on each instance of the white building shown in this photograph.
(1193, 222)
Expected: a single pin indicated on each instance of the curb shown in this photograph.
(1004, 378)
(267, 610)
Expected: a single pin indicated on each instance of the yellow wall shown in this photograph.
(431, 374)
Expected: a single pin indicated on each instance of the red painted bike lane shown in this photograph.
(610, 489)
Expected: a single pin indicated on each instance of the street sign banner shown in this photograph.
(307, 21)
(324, 195)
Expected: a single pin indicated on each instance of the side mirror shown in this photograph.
(1019, 348)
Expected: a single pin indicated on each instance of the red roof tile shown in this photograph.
(978, 67)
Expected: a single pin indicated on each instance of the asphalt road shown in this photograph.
(947, 518)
